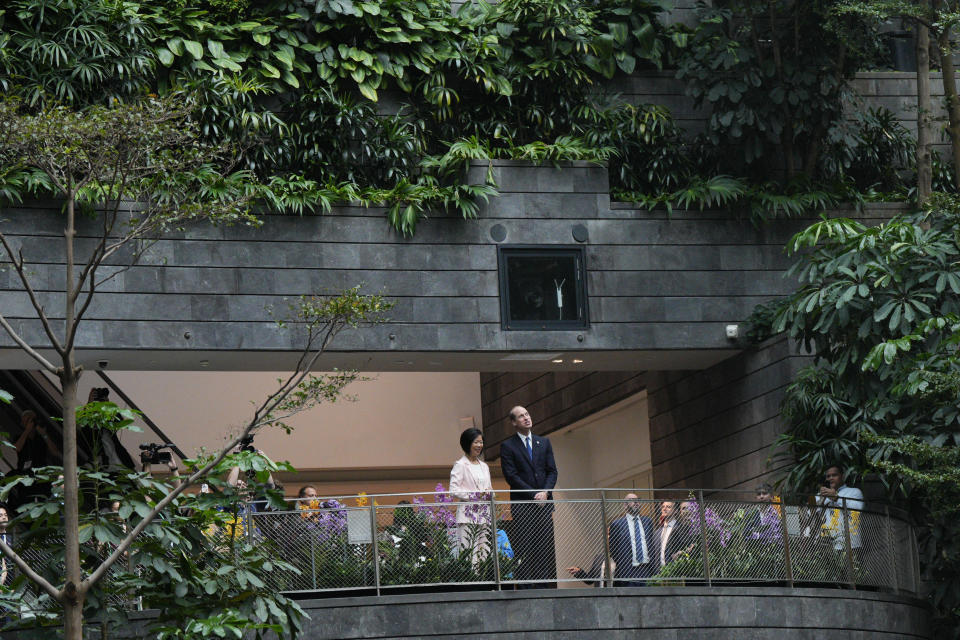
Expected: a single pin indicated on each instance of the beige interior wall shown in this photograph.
(609, 449)
(399, 420)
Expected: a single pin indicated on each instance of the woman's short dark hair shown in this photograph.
(467, 438)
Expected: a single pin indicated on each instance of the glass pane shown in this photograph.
(542, 288)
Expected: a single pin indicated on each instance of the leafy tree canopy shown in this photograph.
(879, 310)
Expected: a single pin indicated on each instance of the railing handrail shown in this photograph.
(808, 499)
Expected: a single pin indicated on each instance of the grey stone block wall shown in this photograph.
(714, 428)
(656, 613)
(655, 282)
(554, 400)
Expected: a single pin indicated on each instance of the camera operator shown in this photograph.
(101, 447)
(152, 453)
(251, 499)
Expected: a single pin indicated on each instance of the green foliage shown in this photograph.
(773, 74)
(650, 151)
(872, 152)
(194, 579)
(145, 150)
(75, 51)
(292, 85)
(878, 308)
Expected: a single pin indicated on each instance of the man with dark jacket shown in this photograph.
(632, 546)
(529, 468)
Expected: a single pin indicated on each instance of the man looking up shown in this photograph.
(632, 545)
(529, 469)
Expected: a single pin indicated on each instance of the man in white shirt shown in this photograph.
(833, 497)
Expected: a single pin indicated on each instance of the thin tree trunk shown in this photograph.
(953, 103)
(924, 165)
(72, 599)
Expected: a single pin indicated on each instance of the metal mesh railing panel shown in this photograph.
(317, 542)
(748, 541)
(817, 549)
(359, 544)
(875, 559)
(579, 536)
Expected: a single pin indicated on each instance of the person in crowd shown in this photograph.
(672, 534)
(8, 540)
(835, 496)
(248, 503)
(35, 446)
(470, 481)
(632, 545)
(103, 448)
(309, 504)
(597, 574)
(530, 470)
(684, 539)
(764, 519)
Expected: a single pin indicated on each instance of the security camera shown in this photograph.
(103, 364)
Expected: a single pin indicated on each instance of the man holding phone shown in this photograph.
(835, 496)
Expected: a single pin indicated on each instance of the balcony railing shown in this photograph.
(379, 543)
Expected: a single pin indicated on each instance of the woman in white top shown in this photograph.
(469, 477)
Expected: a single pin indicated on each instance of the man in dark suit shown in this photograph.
(632, 546)
(529, 468)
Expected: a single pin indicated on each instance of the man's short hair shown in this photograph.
(303, 490)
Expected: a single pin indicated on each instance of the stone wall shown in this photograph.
(611, 614)
(714, 428)
(661, 287)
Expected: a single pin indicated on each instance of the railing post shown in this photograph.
(891, 547)
(847, 546)
(787, 557)
(607, 574)
(248, 510)
(703, 535)
(313, 553)
(494, 545)
(373, 545)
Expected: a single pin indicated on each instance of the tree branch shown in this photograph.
(33, 353)
(39, 580)
(34, 301)
(266, 407)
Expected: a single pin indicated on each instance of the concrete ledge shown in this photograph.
(658, 612)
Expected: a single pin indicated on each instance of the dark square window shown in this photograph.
(542, 288)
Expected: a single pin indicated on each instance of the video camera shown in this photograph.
(151, 453)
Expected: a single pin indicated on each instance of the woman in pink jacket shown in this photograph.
(470, 482)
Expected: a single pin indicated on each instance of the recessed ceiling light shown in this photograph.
(577, 361)
(557, 361)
